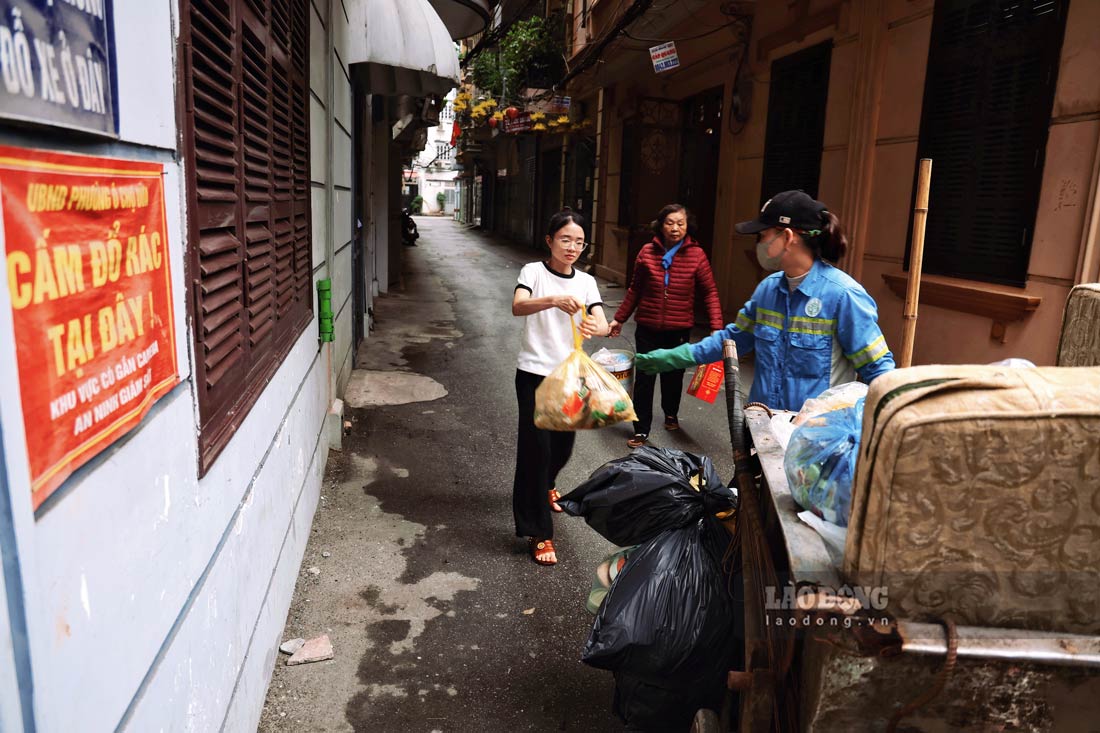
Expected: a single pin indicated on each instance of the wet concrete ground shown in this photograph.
(439, 618)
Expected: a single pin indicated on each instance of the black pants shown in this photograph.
(672, 383)
(540, 455)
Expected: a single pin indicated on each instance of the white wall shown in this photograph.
(434, 173)
(154, 599)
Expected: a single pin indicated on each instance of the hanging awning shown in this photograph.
(400, 47)
(463, 18)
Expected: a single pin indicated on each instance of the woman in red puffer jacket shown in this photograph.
(668, 273)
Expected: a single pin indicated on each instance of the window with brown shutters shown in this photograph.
(992, 68)
(797, 94)
(245, 80)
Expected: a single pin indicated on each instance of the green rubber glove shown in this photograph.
(665, 360)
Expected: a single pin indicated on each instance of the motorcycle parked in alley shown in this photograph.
(409, 232)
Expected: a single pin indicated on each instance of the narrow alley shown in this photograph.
(439, 619)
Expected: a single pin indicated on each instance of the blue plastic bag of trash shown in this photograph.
(820, 462)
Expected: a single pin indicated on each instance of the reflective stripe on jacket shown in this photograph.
(806, 341)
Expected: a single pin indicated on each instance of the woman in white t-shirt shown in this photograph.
(549, 293)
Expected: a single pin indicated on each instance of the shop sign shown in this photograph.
(57, 64)
(664, 57)
(560, 105)
(85, 245)
(522, 123)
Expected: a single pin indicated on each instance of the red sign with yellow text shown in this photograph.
(86, 248)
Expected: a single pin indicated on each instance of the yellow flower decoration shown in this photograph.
(490, 103)
(563, 120)
(538, 127)
(538, 116)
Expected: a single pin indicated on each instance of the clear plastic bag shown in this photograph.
(834, 398)
(581, 395)
(820, 461)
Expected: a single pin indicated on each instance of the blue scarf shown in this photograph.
(666, 261)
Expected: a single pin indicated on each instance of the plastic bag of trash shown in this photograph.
(834, 398)
(669, 618)
(645, 707)
(820, 461)
(606, 573)
(632, 499)
(580, 394)
(611, 359)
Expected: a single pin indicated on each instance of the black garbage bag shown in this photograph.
(670, 620)
(631, 500)
(649, 708)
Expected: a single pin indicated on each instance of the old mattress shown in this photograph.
(977, 496)
(1080, 342)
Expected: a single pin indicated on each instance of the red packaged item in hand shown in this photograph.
(706, 381)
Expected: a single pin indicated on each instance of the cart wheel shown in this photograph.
(706, 721)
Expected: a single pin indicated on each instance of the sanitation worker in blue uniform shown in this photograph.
(811, 325)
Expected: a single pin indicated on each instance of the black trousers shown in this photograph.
(540, 456)
(672, 383)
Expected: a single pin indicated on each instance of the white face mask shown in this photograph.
(771, 264)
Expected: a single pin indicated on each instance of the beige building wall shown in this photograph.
(869, 156)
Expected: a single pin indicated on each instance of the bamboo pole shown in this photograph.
(916, 261)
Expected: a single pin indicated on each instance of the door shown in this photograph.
(650, 170)
(549, 194)
(699, 151)
(796, 121)
(361, 259)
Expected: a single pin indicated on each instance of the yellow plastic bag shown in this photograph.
(580, 394)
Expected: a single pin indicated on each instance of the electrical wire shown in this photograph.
(493, 37)
(746, 35)
(685, 38)
(593, 51)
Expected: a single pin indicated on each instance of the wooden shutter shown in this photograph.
(992, 68)
(246, 138)
(797, 95)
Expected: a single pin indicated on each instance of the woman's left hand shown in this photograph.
(589, 327)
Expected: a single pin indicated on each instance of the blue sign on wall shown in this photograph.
(57, 64)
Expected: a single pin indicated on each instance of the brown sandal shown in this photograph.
(555, 497)
(542, 551)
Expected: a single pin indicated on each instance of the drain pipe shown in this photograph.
(324, 311)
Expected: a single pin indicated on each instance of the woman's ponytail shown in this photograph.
(831, 243)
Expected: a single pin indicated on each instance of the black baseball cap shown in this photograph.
(794, 209)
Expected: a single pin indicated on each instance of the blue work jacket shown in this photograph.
(820, 335)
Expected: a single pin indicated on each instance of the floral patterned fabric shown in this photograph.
(977, 496)
(1080, 344)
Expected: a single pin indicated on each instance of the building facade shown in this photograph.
(238, 163)
(841, 98)
(434, 168)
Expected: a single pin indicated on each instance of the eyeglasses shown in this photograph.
(577, 244)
